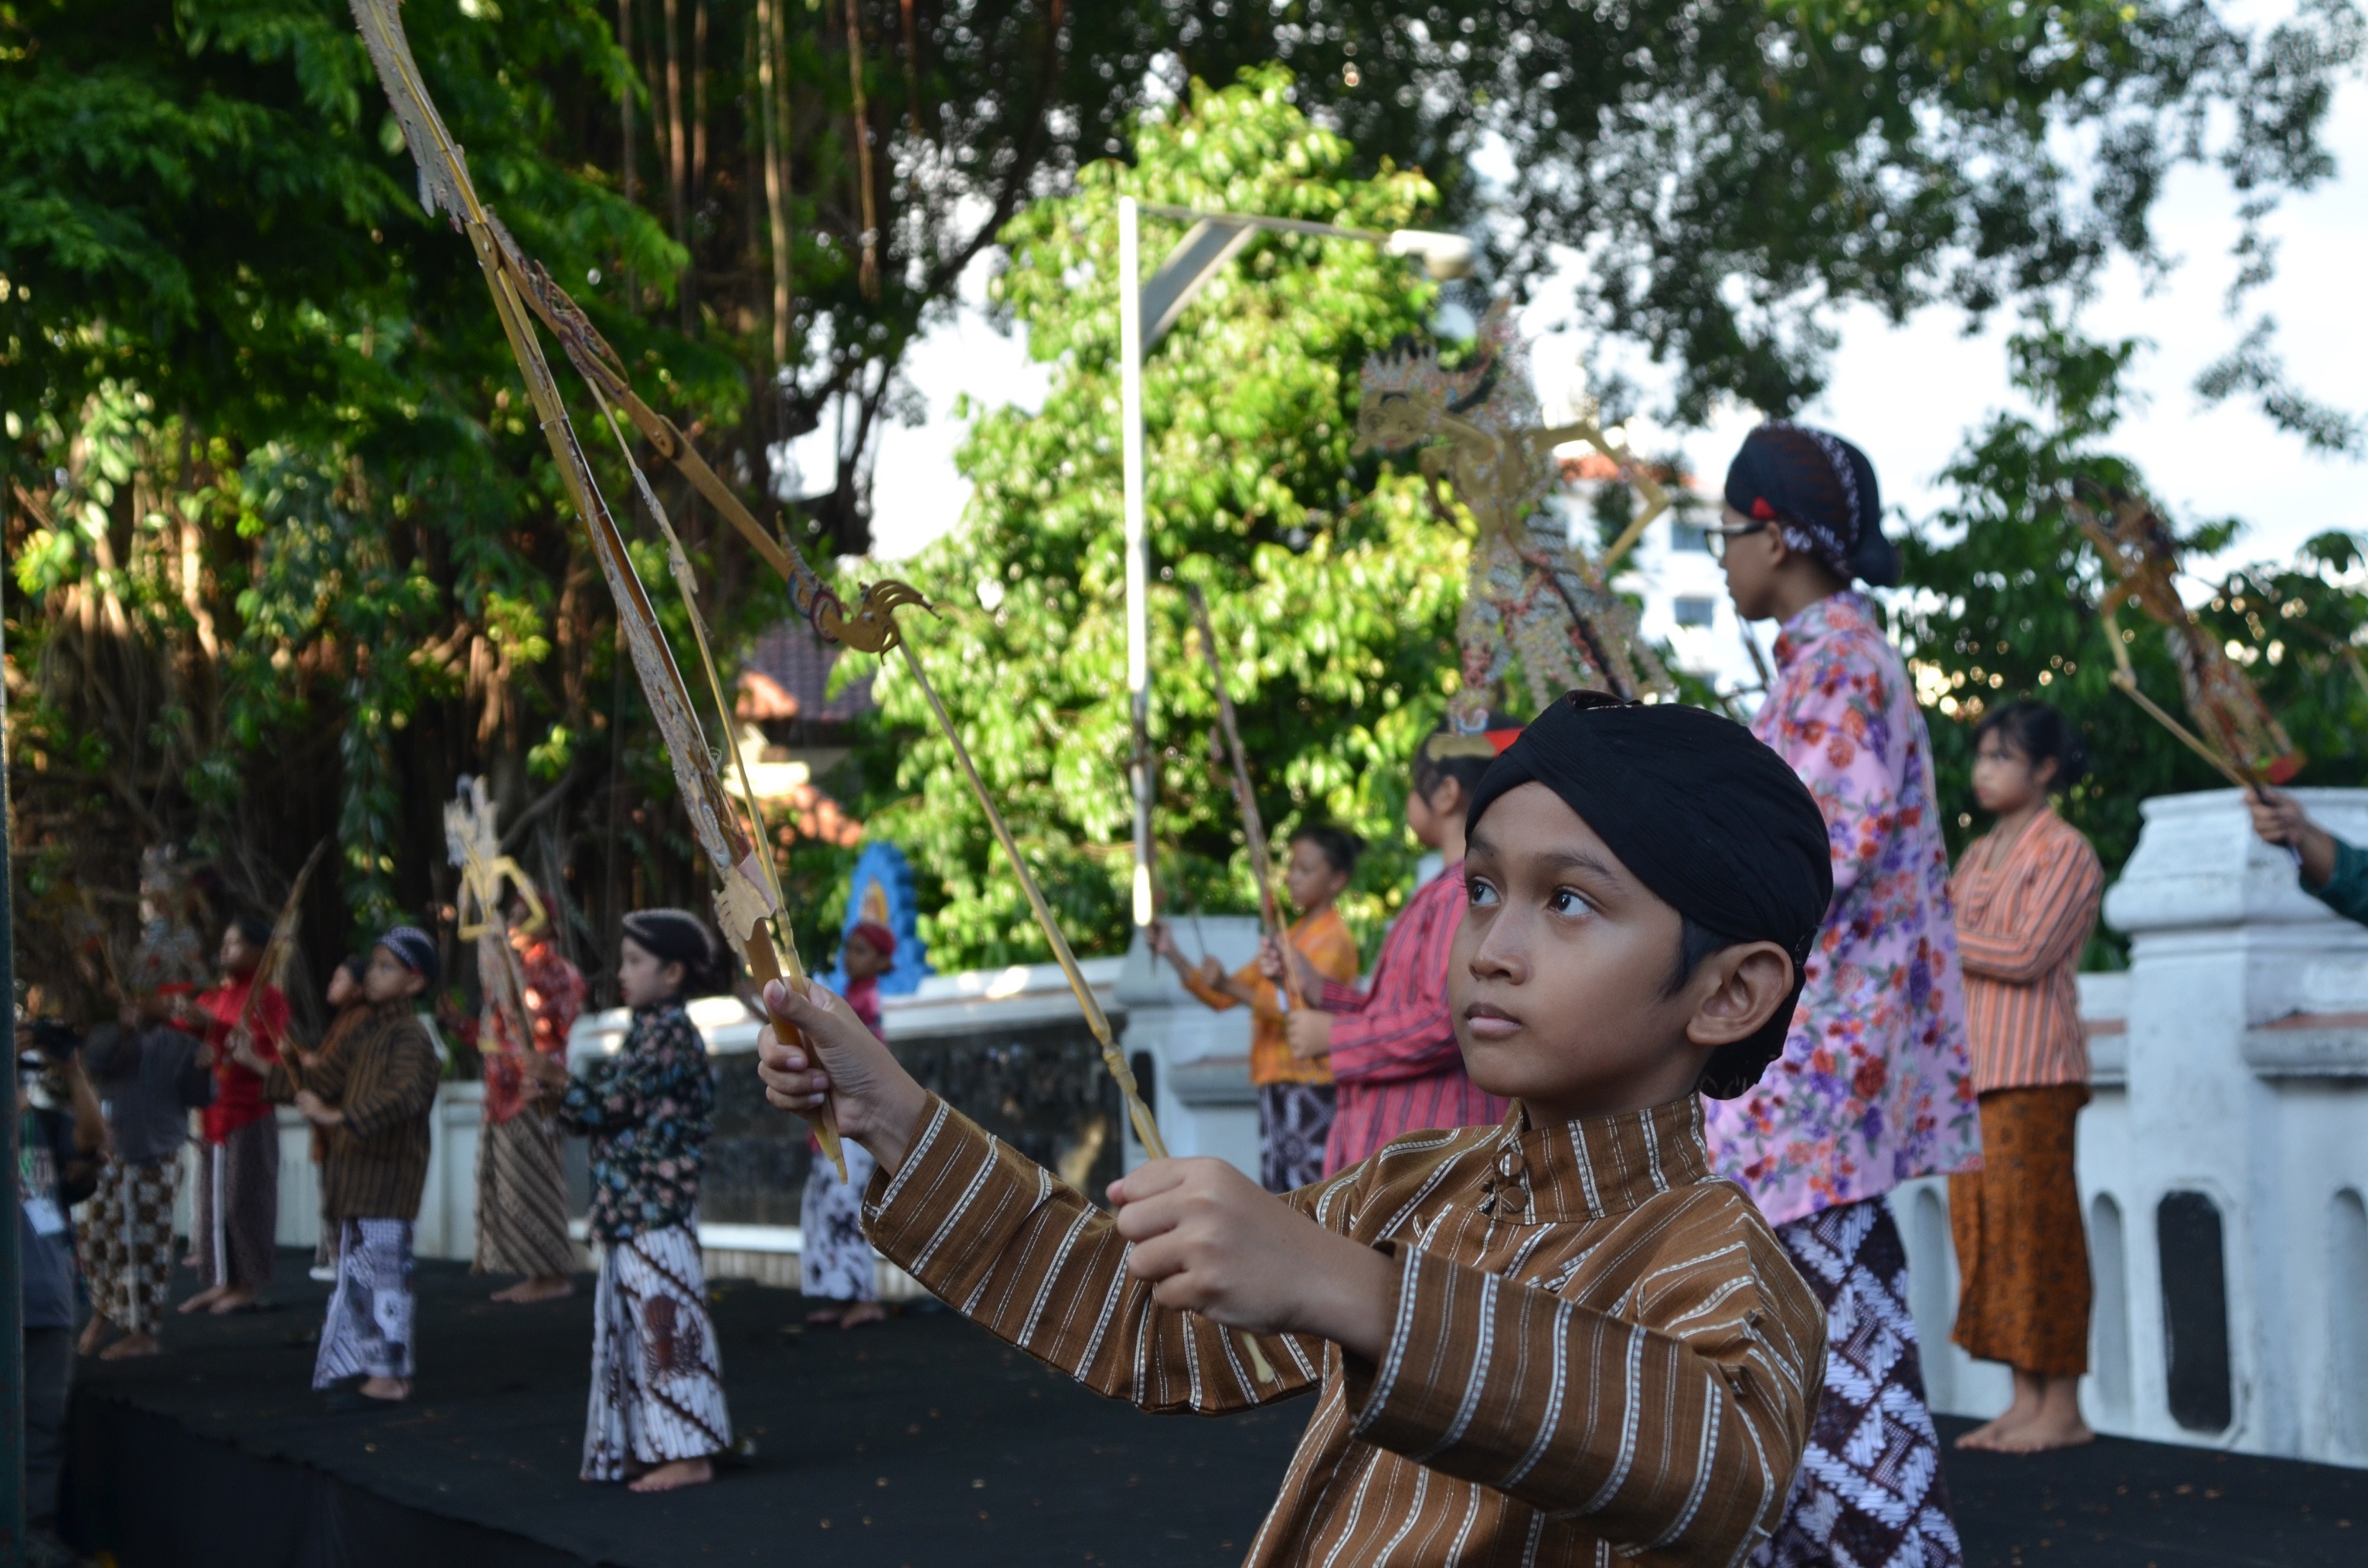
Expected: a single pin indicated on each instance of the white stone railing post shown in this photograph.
(2244, 1102)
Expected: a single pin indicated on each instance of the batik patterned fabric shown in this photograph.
(647, 1110)
(1294, 1123)
(238, 1206)
(658, 1377)
(2023, 1254)
(835, 1261)
(127, 1242)
(368, 1333)
(1869, 1492)
(522, 1200)
(1875, 1085)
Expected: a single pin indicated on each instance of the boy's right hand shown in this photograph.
(1160, 939)
(833, 1057)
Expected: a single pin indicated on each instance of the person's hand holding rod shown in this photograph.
(2279, 818)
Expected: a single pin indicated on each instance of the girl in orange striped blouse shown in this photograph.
(1550, 1341)
(2026, 896)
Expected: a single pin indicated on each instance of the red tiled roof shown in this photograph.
(762, 700)
(797, 663)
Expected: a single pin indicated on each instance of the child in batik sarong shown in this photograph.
(834, 1260)
(656, 1415)
(374, 1099)
(1297, 1098)
(1875, 1085)
(150, 1075)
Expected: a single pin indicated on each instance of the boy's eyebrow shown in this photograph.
(1580, 861)
(1567, 859)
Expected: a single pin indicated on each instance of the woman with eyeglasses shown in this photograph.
(1875, 1085)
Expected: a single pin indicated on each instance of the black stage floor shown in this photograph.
(920, 1441)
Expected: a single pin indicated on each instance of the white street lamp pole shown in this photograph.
(1212, 241)
(1138, 627)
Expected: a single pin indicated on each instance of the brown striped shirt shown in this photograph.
(2020, 928)
(383, 1076)
(1600, 1347)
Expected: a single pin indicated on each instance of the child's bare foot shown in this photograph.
(392, 1390)
(205, 1298)
(131, 1346)
(237, 1298)
(93, 1334)
(2050, 1429)
(670, 1477)
(824, 1314)
(861, 1312)
(546, 1288)
(1990, 1435)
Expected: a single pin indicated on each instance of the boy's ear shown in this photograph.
(1740, 989)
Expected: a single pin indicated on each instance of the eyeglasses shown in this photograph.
(1715, 537)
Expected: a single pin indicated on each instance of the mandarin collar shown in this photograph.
(1848, 611)
(1593, 1167)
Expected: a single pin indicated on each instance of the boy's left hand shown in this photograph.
(1212, 1242)
(316, 1110)
(1309, 1032)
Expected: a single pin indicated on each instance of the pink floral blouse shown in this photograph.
(1875, 1085)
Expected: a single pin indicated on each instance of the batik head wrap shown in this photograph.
(1713, 823)
(676, 936)
(883, 940)
(1820, 490)
(413, 948)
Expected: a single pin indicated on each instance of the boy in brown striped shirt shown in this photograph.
(372, 1100)
(1551, 1341)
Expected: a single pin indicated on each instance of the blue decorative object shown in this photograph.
(882, 890)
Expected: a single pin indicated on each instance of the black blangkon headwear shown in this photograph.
(1715, 824)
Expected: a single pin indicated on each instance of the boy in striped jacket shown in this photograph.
(1549, 1341)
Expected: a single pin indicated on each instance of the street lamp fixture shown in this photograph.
(1145, 312)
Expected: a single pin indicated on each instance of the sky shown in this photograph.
(1908, 394)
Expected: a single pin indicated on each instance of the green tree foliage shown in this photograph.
(1332, 588)
(1729, 169)
(286, 552)
(291, 555)
(2002, 595)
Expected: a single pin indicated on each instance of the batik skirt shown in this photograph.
(127, 1242)
(238, 1205)
(834, 1257)
(522, 1200)
(368, 1330)
(1869, 1492)
(2021, 1253)
(657, 1378)
(1294, 1123)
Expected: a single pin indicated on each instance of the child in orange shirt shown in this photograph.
(1296, 1097)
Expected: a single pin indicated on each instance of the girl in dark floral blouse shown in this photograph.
(658, 1412)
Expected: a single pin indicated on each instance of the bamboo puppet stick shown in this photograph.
(1146, 1130)
(770, 958)
(1245, 799)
